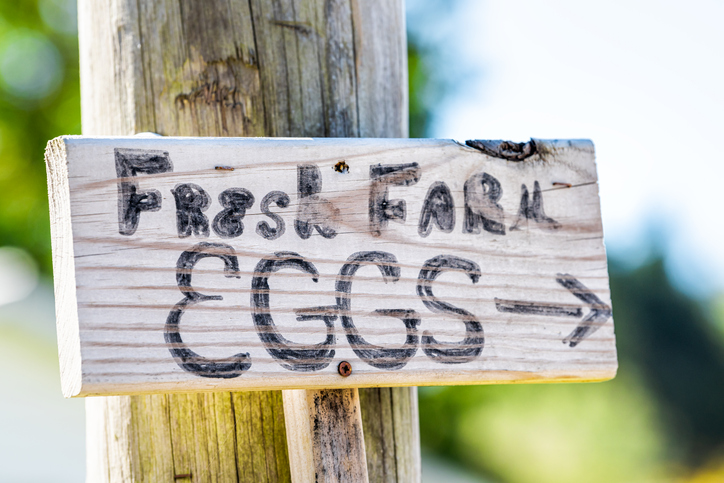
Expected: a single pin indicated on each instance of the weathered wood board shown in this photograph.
(197, 264)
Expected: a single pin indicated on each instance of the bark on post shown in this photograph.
(240, 68)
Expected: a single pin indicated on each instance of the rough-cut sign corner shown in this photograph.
(199, 264)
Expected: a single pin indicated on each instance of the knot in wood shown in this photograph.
(504, 149)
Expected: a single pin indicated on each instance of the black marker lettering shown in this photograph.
(191, 200)
(533, 211)
(314, 211)
(438, 206)
(131, 202)
(294, 357)
(262, 228)
(381, 208)
(373, 355)
(227, 223)
(187, 359)
(482, 193)
(451, 352)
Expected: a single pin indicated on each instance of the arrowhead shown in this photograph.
(599, 314)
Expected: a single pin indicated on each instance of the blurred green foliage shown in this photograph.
(39, 100)
(420, 106)
(672, 343)
(427, 86)
(547, 433)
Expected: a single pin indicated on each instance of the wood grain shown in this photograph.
(386, 412)
(233, 68)
(522, 282)
(322, 446)
(223, 436)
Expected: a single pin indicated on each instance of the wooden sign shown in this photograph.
(195, 264)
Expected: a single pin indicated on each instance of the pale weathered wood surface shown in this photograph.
(138, 296)
(63, 267)
(237, 68)
(323, 447)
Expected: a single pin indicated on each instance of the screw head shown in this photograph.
(344, 368)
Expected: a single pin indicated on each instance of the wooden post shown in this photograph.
(236, 68)
(323, 446)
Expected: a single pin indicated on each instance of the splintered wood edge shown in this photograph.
(66, 307)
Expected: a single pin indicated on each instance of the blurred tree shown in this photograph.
(39, 100)
(419, 80)
(668, 337)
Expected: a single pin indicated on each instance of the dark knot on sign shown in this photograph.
(504, 149)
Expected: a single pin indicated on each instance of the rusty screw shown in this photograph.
(344, 369)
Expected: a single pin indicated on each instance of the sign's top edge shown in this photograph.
(489, 147)
(147, 137)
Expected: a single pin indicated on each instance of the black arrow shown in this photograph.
(599, 314)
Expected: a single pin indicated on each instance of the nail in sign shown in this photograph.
(192, 264)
